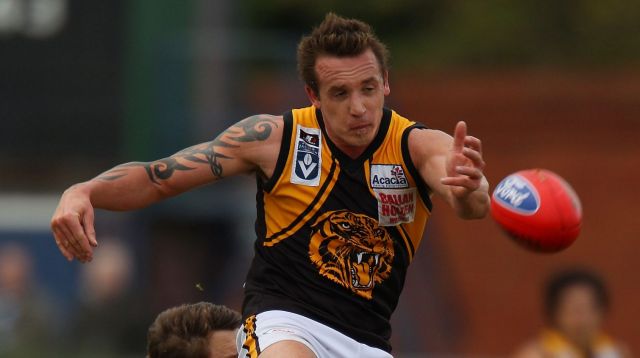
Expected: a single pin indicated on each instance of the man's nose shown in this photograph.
(356, 106)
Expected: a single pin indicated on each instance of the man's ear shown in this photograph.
(313, 97)
(387, 89)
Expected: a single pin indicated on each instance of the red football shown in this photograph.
(538, 209)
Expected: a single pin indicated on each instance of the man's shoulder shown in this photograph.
(425, 138)
(259, 127)
(263, 118)
(397, 116)
(306, 116)
(425, 144)
(256, 139)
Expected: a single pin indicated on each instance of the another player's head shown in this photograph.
(200, 330)
(16, 267)
(575, 303)
(345, 70)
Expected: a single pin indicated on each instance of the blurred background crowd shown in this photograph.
(88, 84)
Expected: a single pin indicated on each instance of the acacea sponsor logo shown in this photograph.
(387, 176)
(517, 194)
(378, 181)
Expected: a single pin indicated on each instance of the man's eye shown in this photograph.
(340, 94)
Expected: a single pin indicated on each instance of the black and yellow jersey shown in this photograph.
(335, 235)
(554, 345)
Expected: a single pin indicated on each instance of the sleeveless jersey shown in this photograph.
(555, 345)
(335, 235)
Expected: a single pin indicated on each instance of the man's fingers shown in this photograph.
(89, 229)
(459, 135)
(72, 230)
(471, 172)
(455, 181)
(61, 242)
(461, 181)
(473, 143)
(80, 238)
(68, 241)
(474, 156)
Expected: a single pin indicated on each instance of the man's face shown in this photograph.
(222, 344)
(351, 93)
(578, 314)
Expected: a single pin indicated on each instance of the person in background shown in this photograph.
(576, 303)
(26, 313)
(199, 330)
(111, 317)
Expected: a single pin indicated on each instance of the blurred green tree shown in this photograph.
(478, 33)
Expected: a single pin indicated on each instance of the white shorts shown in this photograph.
(267, 328)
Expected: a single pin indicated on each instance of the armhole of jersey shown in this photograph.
(423, 188)
(284, 152)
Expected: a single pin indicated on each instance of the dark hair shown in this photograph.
(183, 331)
(559, 283)
(337, 36)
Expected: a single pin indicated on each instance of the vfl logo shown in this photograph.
(307, 157)
(517, 194)
(307, 165)
(388, 176)
(351, 250)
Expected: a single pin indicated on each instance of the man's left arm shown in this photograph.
(453, 168)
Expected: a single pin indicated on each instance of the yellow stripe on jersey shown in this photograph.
(390, 152)
(408, 242)
(309, 212)
(287, 206)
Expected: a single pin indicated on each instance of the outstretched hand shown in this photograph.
(464, 163)
(72, 226)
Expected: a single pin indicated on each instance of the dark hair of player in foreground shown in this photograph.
(187, 331)
(339, 37)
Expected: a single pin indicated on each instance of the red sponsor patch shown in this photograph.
(396, 206)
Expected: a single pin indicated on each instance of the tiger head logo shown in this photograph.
(351, 250)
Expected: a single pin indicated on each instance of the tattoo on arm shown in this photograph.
(158, 170)
(252, 129)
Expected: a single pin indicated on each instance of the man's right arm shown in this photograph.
(251, 145)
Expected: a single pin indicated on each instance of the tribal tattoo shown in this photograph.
(252, 129)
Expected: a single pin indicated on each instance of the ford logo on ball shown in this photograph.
(517, 194)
